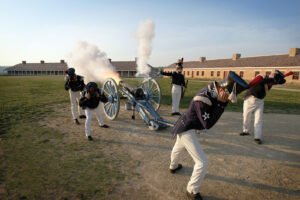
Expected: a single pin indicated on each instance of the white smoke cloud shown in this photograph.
(145, 34)
(92, 63)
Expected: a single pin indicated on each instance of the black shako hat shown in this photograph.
(91, 87)
(233, 84)
(179, 63)
(70, 71)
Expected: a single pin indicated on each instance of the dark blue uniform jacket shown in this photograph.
(204, 111)
(260, 90)
(177, 78)
(77, 85)
(93, 102)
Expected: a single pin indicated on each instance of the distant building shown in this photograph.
(3, 70)
(248, 67)
(124, 68)
(38, 69)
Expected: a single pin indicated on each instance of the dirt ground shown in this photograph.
(238, 167)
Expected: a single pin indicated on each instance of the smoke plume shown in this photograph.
(92, 63)
(145, 35)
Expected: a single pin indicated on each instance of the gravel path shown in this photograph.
(238, 168)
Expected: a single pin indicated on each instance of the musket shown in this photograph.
(183, 90)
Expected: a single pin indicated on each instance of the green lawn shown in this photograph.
(36, 164)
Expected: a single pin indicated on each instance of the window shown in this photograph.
(241, 74)
(256, 73)
(212, 73)
(202, 73)
(296, 76)
(218, 73)
(188, 73)
(197, 73)
(268, 73)
(183, 72)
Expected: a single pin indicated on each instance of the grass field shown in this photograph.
(36, 164)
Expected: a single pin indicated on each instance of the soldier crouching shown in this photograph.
(204, 111)
(75, 84)
(90, 101)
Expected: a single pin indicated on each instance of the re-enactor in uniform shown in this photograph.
(75, 84)
(254, 102)
(90, 102)
(177, 84)
(204, 111)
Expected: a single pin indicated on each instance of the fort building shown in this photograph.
(247, 67)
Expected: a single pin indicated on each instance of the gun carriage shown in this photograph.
(144, 98)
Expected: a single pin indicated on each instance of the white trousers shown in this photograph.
(176, 96)
(189, 141)
(75, 96)
(253, 104)
(88, 113)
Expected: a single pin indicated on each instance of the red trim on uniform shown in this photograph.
(288, 74)
(255, 81)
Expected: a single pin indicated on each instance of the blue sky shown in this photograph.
(35, 30)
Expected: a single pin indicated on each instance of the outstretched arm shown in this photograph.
(166, 73)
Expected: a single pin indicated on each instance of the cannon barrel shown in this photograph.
(130, 87)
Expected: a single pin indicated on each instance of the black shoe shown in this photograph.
(194, 196)
(76, 121)
(257, 141)
(175, 113)
(82, 116)
(173, 171)
(90, 138)
(244, 133)
(104, 126)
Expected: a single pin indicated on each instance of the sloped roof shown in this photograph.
(119, 65)
(125, 65)
(259, 61)
(39, 67)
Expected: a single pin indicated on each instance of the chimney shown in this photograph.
(42, 62)
(136, 59)
(109, 60)
(236, 56)
(294, 52)
(23, 62)
(62, 61)
(202, 59)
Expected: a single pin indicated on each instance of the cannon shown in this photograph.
(144, 98)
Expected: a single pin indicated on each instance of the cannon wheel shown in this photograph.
(112, 106)
(153, 93)
(153, 126)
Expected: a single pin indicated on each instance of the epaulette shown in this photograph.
(203, 99)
